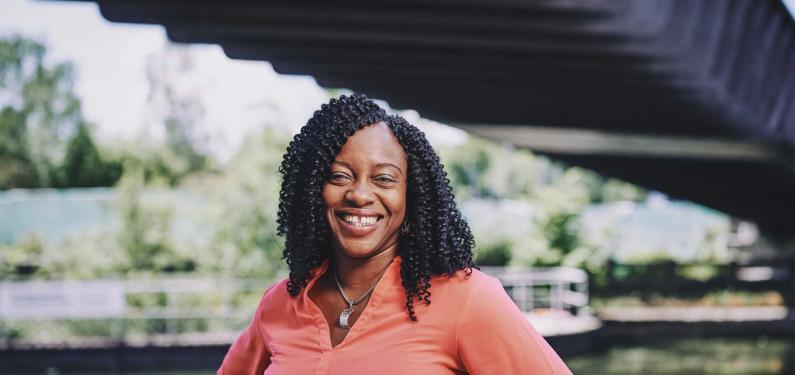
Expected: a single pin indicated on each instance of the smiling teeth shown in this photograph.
(360, 221)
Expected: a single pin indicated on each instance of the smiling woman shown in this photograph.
(365, 194)
(370, 225)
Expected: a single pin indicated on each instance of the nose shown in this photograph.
(360, 194)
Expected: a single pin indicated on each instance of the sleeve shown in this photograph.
(249, 354)
(494, 337)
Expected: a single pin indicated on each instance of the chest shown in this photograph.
(381, 339)
(335, 310)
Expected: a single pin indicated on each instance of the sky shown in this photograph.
(110, 61)
(790, 4)
(106, 57)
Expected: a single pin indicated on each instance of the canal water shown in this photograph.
(756, 356)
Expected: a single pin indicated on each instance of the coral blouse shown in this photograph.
(471, 326)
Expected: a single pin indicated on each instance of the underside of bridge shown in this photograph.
(694, 98)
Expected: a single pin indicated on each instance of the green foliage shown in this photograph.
(39, 109)
(179, 111)
(650, 270)
(562, 232)
(702, 272)
(16, 165)
(21, 260)
(10, 331)
(83, 166)
(715, 298)
(86, 255)
(90, 328)
(39, 115)
(467, 169)
(485, 169)
(612, 190)
(145, 234)
(243, 211)
(557, 193)
(497, 253)
(157, 163)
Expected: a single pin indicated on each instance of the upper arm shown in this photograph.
(249, 354)
(495, 337)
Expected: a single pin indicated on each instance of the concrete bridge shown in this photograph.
(692, 98)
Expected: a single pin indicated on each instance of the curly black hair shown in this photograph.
(438, 242)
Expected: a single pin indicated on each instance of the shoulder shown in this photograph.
(477, 295)
(467, 280)
(465, 284)
(276, 295)
(492, 333)
(481, 281)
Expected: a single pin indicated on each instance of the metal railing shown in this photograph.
(43, 312)
(206, 309)
(559, 288)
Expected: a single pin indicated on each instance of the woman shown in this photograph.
(371, 229)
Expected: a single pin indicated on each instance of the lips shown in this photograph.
(358, 223)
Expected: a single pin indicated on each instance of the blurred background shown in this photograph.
(627, 169)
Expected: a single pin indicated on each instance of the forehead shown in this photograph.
(373, 143)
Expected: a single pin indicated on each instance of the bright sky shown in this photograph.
(107, 57)
(110, 61)
(790, 4)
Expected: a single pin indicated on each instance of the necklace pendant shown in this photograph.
(344, 317)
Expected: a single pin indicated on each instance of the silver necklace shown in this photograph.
(346, 314)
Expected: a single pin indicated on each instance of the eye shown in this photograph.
(338, 177)
(385, 179)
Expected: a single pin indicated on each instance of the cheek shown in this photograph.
(398, 203)
(328, 195)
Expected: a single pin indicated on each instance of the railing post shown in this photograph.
(558, 294)
(530, 285)
(171, 322)
(582, 287)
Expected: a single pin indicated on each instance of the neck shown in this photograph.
(358, 275)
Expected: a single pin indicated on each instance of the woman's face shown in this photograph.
(365, 193)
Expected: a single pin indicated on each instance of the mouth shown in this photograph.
(360, 221)
(358, 225)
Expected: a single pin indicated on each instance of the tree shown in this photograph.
(175, 103)
(145, 234)
(39, 114)
(243, 207)
(38, 111)
(83, 166)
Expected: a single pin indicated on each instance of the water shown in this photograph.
(54, 213)
(51, 213)
(757, 356)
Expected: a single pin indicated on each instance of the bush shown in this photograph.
(495, 254)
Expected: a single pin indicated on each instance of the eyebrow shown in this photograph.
(379, 165)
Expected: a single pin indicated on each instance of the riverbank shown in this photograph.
(574, 337)
(639, 322)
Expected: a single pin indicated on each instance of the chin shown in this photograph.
(360, 250)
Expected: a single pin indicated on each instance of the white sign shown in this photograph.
(30, 300)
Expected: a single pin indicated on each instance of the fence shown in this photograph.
(671, 278)
(560, 288)
(124, 311)
(201, 310)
